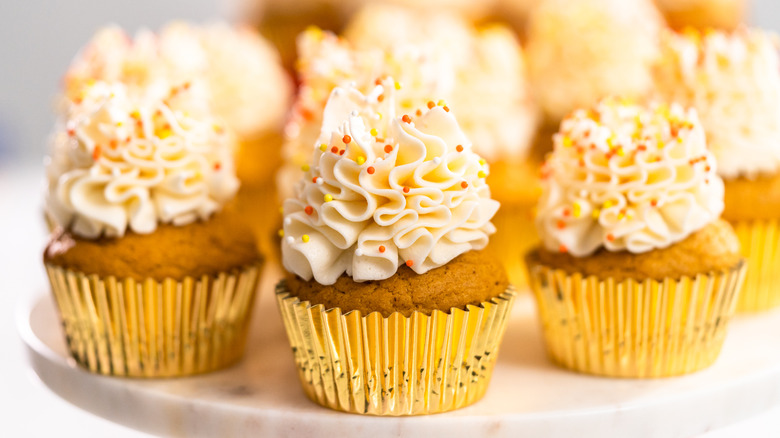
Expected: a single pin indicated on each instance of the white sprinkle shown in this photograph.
(289, 239)
(320, 181)
(436, 160)
(287, 221)
(354, 113)
(358, 252)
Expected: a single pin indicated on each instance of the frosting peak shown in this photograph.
(383, 190)
(124, 162)
(627, 177)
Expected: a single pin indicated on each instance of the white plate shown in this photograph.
(528, 396)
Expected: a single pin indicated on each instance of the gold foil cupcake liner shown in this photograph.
(651, 328)
(516, 234)
(124, 327)
(760, 244)
(396, 365)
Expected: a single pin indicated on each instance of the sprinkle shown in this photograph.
(418, 112)
(96, 153)
(346, 139)
(446, 108)
(576, 209)
(707, 169)
(459, 148)
(464, 184)
(113, 144)
(287, 221)
(370, 170)
(280, 233)
(328, 197)
(436, 160)
(596, 213)
(388, 148)
(360, 160)
(431, 104)
(323, 147)
(482, 161)
(373, 132)
(305, 238)
(314, 180)
(406, 119)
(610, 237)
(566, 212)
(481, 174)
(406, 189)
(289, 239)
(341, 152)
(320, 181)
(654, 202)
(563, 249)
(358, 252)
(378, 81)
(567, 141)
(409, 263)
(309, 209)
(380, 98)
(397, 85)
(334, 149)
(609, 203)
(381, 248)
(217, 165)
(305, 168)
(71, 132)
(441, 102)
(621, 152)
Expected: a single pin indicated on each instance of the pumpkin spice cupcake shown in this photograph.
(733, 80)
(636, 276)
(391, 305)
(703, 14)
(151, 275)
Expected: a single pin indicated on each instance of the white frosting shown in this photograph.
(580, 51)
(733, 80)
(247, 86)
(626, 177)
(124, 162)
(399, 190)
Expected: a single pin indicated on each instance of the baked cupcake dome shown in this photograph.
(631, 236)
(138, 182)
(733, 80)
(703, 14)
(386, 230)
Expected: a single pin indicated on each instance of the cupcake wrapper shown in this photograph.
(634, 329)
(397, 365)
(169, 328)
(516, 235)
(760, 244)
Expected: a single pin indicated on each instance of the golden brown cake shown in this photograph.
(703, 14)
(752, 199)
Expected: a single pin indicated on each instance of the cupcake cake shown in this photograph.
(636, 276)
(733, 80)
(703, 14)
(580, 51)
(153, 274)
(438, 56)
(391, 304)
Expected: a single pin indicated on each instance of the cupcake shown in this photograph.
(733, 80)
(636, 275)
(703, 14)
(580, 51)
(431, 55)
(391, 304)
(152, 277)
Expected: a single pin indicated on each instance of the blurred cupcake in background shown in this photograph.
(636, 276)
(384, 244)
(477, 72)
(733, 80)
(580, 51)
(154, 275)
(703, 14)
(515, 13)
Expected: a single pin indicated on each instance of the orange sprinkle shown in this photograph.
(334, 149)
(341, 152)
(406, 119)
(380, 98)
(309, 209)
(409, 263)
(654, 202)
(560, 224)
(707, 169)
(127, 140)
(459, 148)
(370, 170)
(610, 237)
(346, 139)
(464, 184)
(381, 248)
(388, 148)
(71, 132)
(314, 180)
(431, 104)
(418, 112)
(377, 81)
(113, 144)
(406, 189)
(96, 152)
(566, 212)
(563, 248)
(217, 165)
(446, 108)
(186, 85)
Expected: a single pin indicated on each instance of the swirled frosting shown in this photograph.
(247, 86)
(126, 162)
(580, 51)
(627, 177)
(382, 190)
(733, 80)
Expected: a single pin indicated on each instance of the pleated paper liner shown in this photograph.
(515, 234)
(416, 365)
(169, 328)
(631, 328)
(760, 244)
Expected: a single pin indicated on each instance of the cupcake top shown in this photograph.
(125, 161)
(627, 177)
(247, 86)
(733, 80)
(382, 190)
(580, 51)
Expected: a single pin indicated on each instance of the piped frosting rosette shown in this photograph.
(383, 190)
(126, 161)
(733, 80)
(627, 177)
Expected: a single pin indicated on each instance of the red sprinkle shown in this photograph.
(346, 139)
(381, 248)
(370, 170)
(377, 81)
(464, 184)
(341, 152)
(96, 152)
(406, 119)
(406, 189)
(334, 149)
(71, 132)
(409, 263)
(654, 202)
(459, 148)
(314, 180)
(561, 224)
(309, 209)
(388, 148)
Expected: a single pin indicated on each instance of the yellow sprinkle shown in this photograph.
(323, 147)
(567, 141)
(482, 161)
(135, 114)
(576, 210)
(315, 32)
(118, 123)
(621, 152)
(621, 216)
(611, 140)
(361, 160)
(441, 102)
(679, 140)
(305, 168)
(629, 216)
(481, 174)
(608, 204)
(164, 133)
(305, 238)
(397, 85)
(379, 115)
(328, 198)
(280, 233)
(373, 132)
(661, 144)
(596, 213)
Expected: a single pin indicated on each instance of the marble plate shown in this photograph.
(529, 396)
